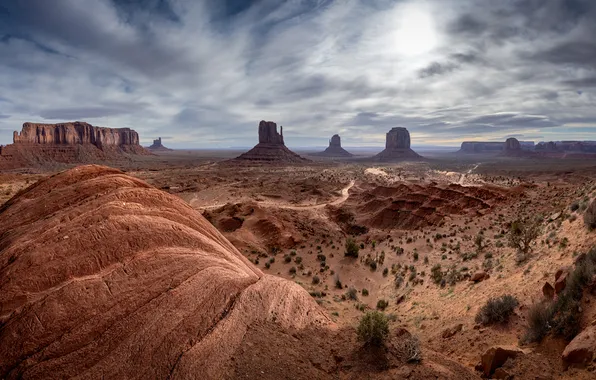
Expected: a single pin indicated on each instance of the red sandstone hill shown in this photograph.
(74, 142)
(104, 276)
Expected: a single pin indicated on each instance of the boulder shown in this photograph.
(582, 349)
(561, 280)
(448, 333)
(501, 374)
(479, 276)
(495, 357)
(548, 291)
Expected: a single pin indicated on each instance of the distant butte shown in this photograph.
(73, 142)
(397, 147)
(271, 147)
(157, 146)
(334, 149)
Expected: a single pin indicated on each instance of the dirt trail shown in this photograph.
(344, 196)
(463, 176)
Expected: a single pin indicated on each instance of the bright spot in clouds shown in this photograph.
(415, 32)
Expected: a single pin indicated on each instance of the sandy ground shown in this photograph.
(285, 219)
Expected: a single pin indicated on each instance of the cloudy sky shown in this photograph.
(202, 73)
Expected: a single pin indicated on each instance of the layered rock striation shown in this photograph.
(75, 133)
(334, 149)
(397, 146)
(105, 276)
(75, 142)
(271, 146)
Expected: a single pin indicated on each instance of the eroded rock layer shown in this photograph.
(76, 142)
(105, 277)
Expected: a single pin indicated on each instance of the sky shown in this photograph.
(203, 73)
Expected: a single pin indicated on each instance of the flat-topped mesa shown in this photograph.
(397, 146)
(75, 133)
(271, 146)
(334, 149)
(268, 133)
(512, 144)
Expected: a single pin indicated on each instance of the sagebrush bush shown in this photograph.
(564, 314)
(539, 320)
(497, 310)
(382, 304)
(590, 216)
(373, 328)
(352, 248)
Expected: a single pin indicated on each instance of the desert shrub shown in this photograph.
(574, 206)
(590, 216)
(539, 319)
(338, 283)
(352, 294)
(293, 270)
(399, 280)
(497, 310)
(479, 242)
(521, 235)
(385, 272)
(316, 280)
(382, 304)
(436, 274)
(287, 258)
(408, 349)
(365, 292)
(352, 248)
(321, 257)
(267, 265)
(373, 265)
(416, 256)
(373, 328)
(298, 260)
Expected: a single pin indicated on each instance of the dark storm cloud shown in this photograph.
(207, 71)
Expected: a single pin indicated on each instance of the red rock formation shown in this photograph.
(271, 146)
(76, 142)
(75, 133)
(157, 145)
(334, 149)
(104, 276)
(397, 146)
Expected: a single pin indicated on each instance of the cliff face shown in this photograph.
(75, 133)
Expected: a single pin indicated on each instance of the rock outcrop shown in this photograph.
(478, 147)
(75, 142)
(397, 146)
(157, 145)
(105, 276)
(75, 133)
(334, 149)
(271, 147)
(582, 349)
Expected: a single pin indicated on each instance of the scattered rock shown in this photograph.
(548, 291)
(582, 349)
(555, 216)
(479, 276)
(400, 299)
(500, 373)
(496, 356)
(561, 281)
(448, 333)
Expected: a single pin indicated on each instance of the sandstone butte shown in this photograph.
(271, 147)
(104, 276)
(397, 147)
(158, 146)
(334, 149)
(72, 142)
